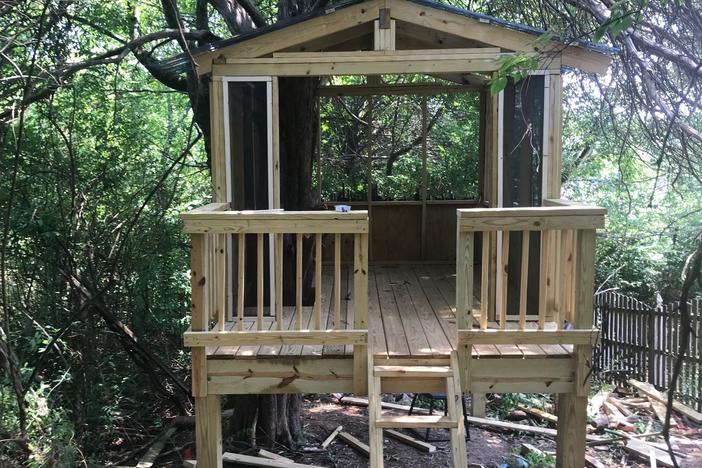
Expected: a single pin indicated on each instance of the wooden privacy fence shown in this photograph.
(641, 341)
(212, 226)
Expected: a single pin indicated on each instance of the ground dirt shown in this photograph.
(323, 413)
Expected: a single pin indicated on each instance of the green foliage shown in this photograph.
(452, 147)
(516, 66)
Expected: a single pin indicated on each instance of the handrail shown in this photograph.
(274, 221)
(531, 219)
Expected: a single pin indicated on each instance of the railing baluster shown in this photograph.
(279, 280)
(298, 280)
(259, 282)
(337, 281)
(241, 253)
(504, 265)
(318, 281)
(221, 288)
(484, 280)
(198, 282)
(558, 272)
(543, 278)
(524, 280)
(464, 279)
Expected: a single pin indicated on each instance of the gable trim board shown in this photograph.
(467, 25)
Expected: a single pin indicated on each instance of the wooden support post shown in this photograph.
(208, 431)
(477, 405)
(219, 167)
(504, 285)
(572, 408)
(571, 436)
(200, 318)
(275, 130)
(360, 314)
(423, 189)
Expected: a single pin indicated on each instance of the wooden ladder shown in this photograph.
(453, 421)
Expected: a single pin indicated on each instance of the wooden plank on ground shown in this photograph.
(541, 414)
(411, 441)
(331, 437)
(273, 456)
(650, 391)
(354, 443)
(156, 448)
(355, 401)
(517, 427)
(258, 461)
(646, 451)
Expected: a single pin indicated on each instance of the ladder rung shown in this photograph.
(413, 371)
(394, 422)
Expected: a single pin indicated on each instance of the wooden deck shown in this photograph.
(410, 315)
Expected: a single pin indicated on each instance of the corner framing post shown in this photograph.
(208, 424)
(208, 431)
(572, 407)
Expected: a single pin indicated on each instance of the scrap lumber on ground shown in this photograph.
(416, 443)
(156, 448)
(273, 456)
(517, 427)
(355, 443)
(331, 437)
(645, 451)
(393, 406)
(650, 391)
(258, 461)
(541, 414)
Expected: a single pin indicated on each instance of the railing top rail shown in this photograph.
(531, 219)
(217, 219)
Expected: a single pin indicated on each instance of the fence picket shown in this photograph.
(641, 341)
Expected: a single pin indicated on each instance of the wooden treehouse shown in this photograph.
(491, 295)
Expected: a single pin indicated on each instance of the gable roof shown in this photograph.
(581, 48)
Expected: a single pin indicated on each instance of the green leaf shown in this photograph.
(498, 84)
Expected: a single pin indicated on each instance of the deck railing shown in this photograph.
(566, 276)
(212, 226)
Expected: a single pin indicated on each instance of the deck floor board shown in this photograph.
(411, 313)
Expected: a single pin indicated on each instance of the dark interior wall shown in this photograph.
(522, 177)
(248, 126)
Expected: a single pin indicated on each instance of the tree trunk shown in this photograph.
(268, 419)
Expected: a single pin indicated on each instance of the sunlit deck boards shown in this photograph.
(410, 315)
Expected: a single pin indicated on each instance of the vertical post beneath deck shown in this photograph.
(208, 431)
(208, 427)
(572, 407)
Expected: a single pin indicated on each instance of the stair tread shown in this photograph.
(416, 421)
(413, 371)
